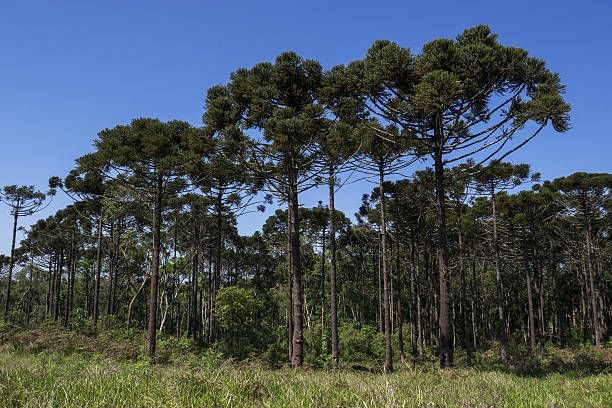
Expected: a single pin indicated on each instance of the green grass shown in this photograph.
(51, 380)
(52, 368)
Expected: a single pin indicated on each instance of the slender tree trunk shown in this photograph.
(413, 289)
(157, 215)
(96, 299)
(532, 334)
(464, 310)
(49, 287)
(418, 305)
(322, 284)
(289, 289)
(294, 234)
(503, 337)
(72, 278)
(217, 280)
(560, 320)
(11, 264)
(69, 293)
(129, 316)
(194, 286)
(58, 281)
(400, 288)
(381, 325)
(385, 274)
(446, 345)
(428, 305)
(190, 305)
(210, 289)
(589, 247)
(109, 299)
(332, 273)
(475, 311)
(583, 301)
(538, 285)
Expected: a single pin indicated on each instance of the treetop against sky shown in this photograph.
(75, 69)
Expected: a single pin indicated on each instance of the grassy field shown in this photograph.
(61, 369)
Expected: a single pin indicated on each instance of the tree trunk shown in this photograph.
(560, 321)
(413, 297)
(385, 274)
(464, 310)
(194, 286)
(381, 326)
(532, 334)
(11, 264)
(157, 215)
(58, 282)
(70, 283)
(294, 234)
(418, 302)
(289, 289)
(322, 285)
(129, 316)
(96, 299)
(400, 288)
(111, 254)
(332, 273)
(503, 337)
(589, 247)
(446, 346)
(475, 311)
(428, 304)
(217, 277)
(49, 287)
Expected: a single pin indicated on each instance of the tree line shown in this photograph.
(453, 249)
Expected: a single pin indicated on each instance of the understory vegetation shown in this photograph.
(51, 367)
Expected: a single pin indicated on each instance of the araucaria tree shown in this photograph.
(279, 100)
(22, 201)
(490, 180)
(586, 194)
(85, 184)
(145, 157)
(454, 99)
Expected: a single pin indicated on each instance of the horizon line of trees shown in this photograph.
(449, 249)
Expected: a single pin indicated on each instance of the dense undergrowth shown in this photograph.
(50, 366)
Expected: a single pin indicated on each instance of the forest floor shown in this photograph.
(49, 367)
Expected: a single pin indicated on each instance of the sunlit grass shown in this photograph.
(51, 367)
(52, 380)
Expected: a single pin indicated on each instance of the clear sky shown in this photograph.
(69, 69)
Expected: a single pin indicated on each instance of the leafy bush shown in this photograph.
(361, 345)
(235, 308)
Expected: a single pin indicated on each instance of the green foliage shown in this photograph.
(235, 306)
(362, 345)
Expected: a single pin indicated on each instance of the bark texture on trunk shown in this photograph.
(385, 276)
(152, 329)
(294, 239)
(531, 313)
(446, 336)
(11, 264)
(96, 299)
(503, 338)
(591, 267)
(332, 274)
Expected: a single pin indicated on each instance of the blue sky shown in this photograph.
(71, 69)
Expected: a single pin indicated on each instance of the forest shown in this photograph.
(456, 255)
